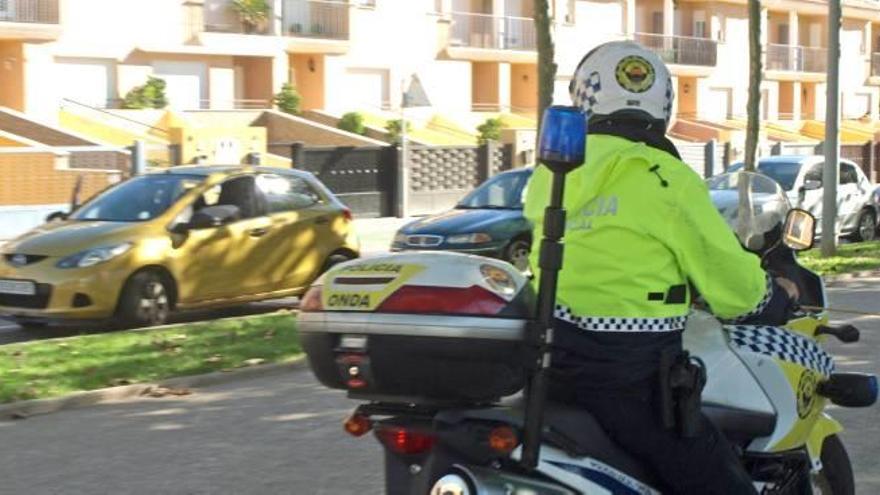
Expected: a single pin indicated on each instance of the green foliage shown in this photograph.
(395, 129)
(850, 258)
(251, 12)
(490, 130)
(288, 99)
(49, 368)
(150, 95)
(352, 122)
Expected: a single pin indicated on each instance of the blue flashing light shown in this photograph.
(563, 138)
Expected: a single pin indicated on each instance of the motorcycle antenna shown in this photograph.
(561, 148)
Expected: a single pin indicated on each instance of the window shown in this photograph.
(657, 22)
(287, 193)
(500, 192)
(782, 34)
(700, 29)
(139, 199)
(848, 174)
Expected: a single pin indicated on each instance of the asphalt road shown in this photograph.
(10, 332)
(282, 434)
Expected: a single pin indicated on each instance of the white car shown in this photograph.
(858, 208)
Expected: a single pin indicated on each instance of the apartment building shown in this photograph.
(470, 55)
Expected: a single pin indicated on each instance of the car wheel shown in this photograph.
(144, 300)
(517, 254)
(335, 259)
(866, 230)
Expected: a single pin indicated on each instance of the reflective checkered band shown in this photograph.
(768, 295)
(782, 344)
(670, 96)
(585, 92)
(620, 324)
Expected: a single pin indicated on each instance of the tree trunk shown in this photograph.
(546, 56)
(754, 103)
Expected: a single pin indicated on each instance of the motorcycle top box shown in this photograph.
(419, 328)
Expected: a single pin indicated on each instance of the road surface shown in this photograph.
(282, 434)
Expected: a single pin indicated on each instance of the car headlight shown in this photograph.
(475, 238)
(91, 257)
(399, 238)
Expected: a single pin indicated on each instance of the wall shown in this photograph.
(284, 128)
(12, 85)
(309, 81)
(206, 142)
(644, 14)
(46, 181)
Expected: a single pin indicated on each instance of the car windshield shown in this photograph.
(503, 192)
(784, 173)
(139, 199)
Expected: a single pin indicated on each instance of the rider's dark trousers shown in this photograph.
(703, 465)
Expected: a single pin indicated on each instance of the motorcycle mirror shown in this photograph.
(799, 230)
(811, 185)
(563, 138)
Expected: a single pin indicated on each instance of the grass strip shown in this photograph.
(850, 258)
(51, 368)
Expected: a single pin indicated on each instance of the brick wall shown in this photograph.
(34, 178)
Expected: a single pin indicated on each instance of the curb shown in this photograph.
(848, 277)
(28, 408)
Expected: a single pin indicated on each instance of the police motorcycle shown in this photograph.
(440, 345)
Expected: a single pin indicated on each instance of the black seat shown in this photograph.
(740, 425)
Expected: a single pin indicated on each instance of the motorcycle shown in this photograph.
(439, 345)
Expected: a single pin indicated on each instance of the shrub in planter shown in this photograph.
(352, 122)
(490, 130)
(253, 13)
(288, 99)
(150, 95)
(395, 129)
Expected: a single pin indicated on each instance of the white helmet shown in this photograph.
(623, 78)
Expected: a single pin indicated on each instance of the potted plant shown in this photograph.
(252, 13)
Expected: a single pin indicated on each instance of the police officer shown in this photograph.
(641, 231)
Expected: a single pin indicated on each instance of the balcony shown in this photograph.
(486, 31)
(31, 11)
(797, 58)
(29, 19)
(681, 50)
(315, 19)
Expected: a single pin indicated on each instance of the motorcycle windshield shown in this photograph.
(752, 204)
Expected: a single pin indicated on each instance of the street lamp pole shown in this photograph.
(832, 142)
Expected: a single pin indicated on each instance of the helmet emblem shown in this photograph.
(635, 74)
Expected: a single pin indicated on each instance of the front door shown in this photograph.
(224, 262)
(301, 233)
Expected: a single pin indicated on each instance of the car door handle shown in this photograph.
(322, 220)
(258, 232)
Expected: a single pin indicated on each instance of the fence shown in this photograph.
(495, 32)
(681, 49)
(315, 19)
(366, 178)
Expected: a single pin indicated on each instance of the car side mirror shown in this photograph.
(56, 215)
(811, 185)
(180, 228)
(799, 230)
(214, 216)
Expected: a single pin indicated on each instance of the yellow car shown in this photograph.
(185, 238)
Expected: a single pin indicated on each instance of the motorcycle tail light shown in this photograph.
(503, 439)
(358, 425)
(473, 300)
(311, 301)
(405, 441)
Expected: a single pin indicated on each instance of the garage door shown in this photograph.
(367, 89)
(186, 83)
(86, 81)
